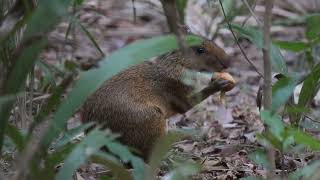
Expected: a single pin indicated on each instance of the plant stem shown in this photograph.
(267, 88)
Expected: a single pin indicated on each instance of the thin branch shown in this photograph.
(266, 55)
(267, 88)
(237, 41)
(31, 92)
(251, 10)
(171, 12)
(134, 11)
(311, 119)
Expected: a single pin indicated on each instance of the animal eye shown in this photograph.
(200, 50)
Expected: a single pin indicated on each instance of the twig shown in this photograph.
(311, 119)
(31, 89)
(251, 10)
(267, 88)
(134, 11)
(236, 39)
(170, 10)
(42, 97)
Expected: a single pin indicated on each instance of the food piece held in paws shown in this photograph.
(231, 84)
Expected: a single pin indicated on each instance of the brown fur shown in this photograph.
(137, 101)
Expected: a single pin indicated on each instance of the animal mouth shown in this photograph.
(222, 64)
(203, 70)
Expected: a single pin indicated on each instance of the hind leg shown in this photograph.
(144, 137)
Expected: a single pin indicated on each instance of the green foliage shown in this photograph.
(305, 139)
(260, 158)
(229, 9)
(64, 148)
(68, 136)
(313, 28)
(126, 157)
(86, 148)
(295, 46)
(16, 136)
(58, 144)
(282, 90)
(274, 123)
(310, 86)
(54, 148)
(112, 163)
(28, 55)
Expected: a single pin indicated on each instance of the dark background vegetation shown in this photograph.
(53, 54)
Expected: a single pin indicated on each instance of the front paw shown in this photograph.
(223, 81)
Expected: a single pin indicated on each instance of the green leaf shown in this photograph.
(43, 19)
(16, 136)
(89, 146)
(70, 66)
(70, 135)
(89, 35)
(260, 158)
(126, 156)
(281, 92)
(15, 81)
(295, 109)
(132, 54)
(78, 2)
(59, 155)
(118, 171)
(275, 125)
(10, 97)
(295, 46)
(310, 87)
(268, 139)
(229, 8)
(256, 37)
(305, 139)
(313, 28)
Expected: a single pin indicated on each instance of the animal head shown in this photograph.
(207, 57)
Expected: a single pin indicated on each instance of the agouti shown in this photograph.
(137, 101)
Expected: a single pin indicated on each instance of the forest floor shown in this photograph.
(225, 132)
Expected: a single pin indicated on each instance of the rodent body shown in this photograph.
(136, 102)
